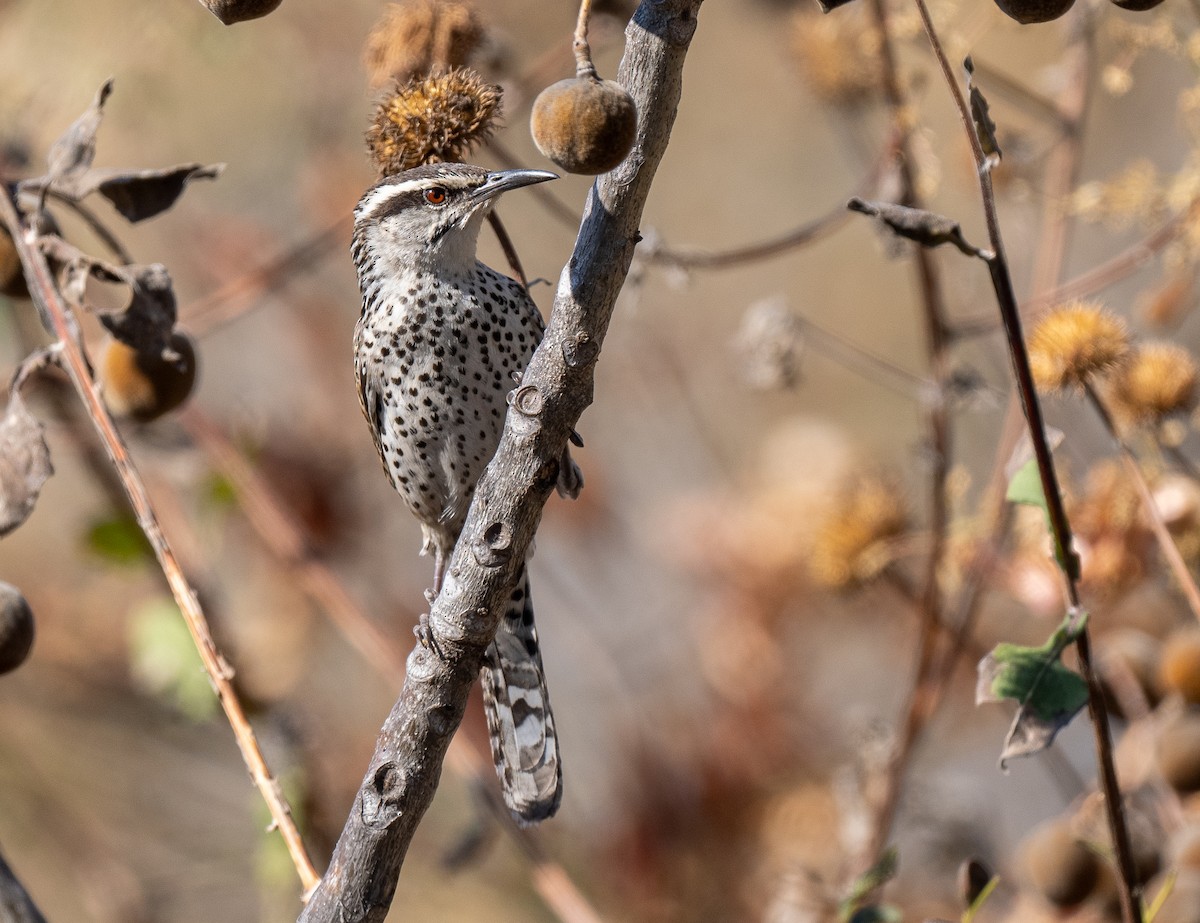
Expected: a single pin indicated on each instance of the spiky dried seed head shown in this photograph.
(433, 119)
(584, 124)
(144, 387)
(1073, 343)
(853, 544)
(421, 37)
(1159, 379)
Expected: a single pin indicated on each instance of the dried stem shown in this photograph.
(506, 244)
(584, 68)
(1162, 534)
(403, 774)
(44, 292)
(1059, 525)
(916, 712)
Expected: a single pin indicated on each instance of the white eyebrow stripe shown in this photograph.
(378, 197)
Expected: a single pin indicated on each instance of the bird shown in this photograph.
(440, 343)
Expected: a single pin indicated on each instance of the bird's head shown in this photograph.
(432, 213)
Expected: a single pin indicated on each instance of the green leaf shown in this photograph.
(1050, 695)
(1026, 486)
(165, 662)
(219, 491)
(119, 540)
(875, 877)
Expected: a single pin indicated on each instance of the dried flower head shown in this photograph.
(1073, 342)
(1113, 539)
(853, 545)
(1159, 379)
(420, 37)
(838, 56)
(433, 119)
(771, 344)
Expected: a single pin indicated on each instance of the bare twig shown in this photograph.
(916, 712)
(43, 290)
(403, 773)
(1059, 525)
(1166, 544)
(236, 297)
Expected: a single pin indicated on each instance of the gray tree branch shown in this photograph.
(16, 906)
(556, 388)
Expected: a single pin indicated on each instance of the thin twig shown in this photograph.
(915, 712)
(510, 250)
(43, 290)
(1166, 543)
(1059, 525)
(233, 299)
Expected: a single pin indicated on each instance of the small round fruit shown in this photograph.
(1179, 753)
(231, 11)
(1179, 666)
(1061, 868)
(1137, 6)
(1124, 655)
(584, 124)
(1027, 12)
(16, 628)
(144, 387)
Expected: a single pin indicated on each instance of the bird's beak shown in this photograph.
(504, 180)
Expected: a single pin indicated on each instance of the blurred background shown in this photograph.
(725, 685)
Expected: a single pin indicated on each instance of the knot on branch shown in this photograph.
(580, 350)
(382, 796)
(495, 547)
(527, 400)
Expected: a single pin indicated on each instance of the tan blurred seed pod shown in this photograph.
(1157, 380)
(854, 542)
(145, 387)
(421, 37)
(1063, 870)
(1179, 665)
(1179, 753)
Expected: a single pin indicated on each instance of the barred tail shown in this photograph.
(517, 706)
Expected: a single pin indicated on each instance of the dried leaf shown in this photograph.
(1049, 694)
(74, 151)
(147, 323)
(141, 194)
(24, 463)
(915, 224)
(985, 128)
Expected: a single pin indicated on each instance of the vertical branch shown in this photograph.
(403, 774)
(1059, 525)
(42, 289)
(918, 708)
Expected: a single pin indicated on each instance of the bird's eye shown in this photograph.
(435, 196)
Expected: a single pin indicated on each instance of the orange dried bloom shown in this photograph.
(853, 544)
(420, 37)
(1159, 379)
(1073, 342)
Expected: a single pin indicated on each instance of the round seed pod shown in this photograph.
(1061, 868)
(584, 124)
(231, 11)
(1137, 6)
(1179, 753)
(144, 387)
(1031, 11)
(1128, 656)
(16, 628)
(1179, 667)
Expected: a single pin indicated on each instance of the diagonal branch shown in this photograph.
(556, 388)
